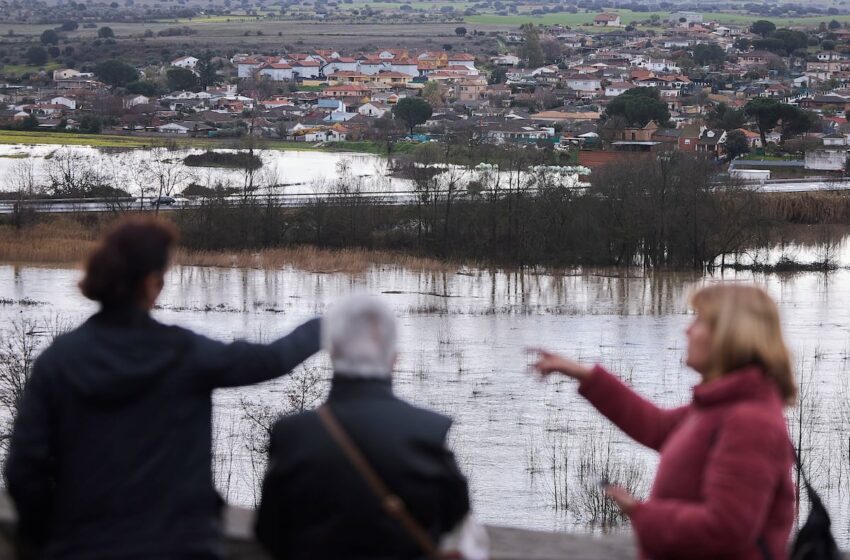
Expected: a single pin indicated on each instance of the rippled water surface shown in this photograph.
(524, 444)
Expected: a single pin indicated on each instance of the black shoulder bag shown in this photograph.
(814, 541)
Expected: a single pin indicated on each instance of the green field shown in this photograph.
(628, 16)
(119, 141)
(15, 70)
(212, 19)
(459, 6)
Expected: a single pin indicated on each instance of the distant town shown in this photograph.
(769, 99)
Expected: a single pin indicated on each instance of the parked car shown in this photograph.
(163, 201)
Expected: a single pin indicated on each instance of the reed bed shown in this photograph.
(310, 258)
(829, 207)
(64, 241)
(59, 241)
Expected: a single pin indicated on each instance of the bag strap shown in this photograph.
(390, 502)
(799, 464)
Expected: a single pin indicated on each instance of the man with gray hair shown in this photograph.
(320, 503)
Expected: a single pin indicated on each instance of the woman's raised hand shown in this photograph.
(548, 363)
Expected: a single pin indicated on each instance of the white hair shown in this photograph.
(360, 335)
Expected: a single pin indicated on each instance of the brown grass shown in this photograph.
(60, 241)
(829, 207)
(69, 242)
(311, 259)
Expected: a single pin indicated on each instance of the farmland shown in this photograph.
(628, 16)
(130, 142)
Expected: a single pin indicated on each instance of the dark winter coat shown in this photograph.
(316, 506)
(111, 451)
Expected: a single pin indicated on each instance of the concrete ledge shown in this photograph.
(506, 543)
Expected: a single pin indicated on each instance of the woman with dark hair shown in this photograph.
(723, 488)
(111, 452)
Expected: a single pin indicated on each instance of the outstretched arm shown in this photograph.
(246, 363)
(641, 420)
(637, 417)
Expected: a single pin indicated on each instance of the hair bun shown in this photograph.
(133, 249)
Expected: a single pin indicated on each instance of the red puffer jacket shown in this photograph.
(723, 488)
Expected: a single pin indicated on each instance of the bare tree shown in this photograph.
(164, 173)
(20, 344)
(22, 177)
(302, 390)
(72, 175)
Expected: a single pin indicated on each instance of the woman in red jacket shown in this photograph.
(723, 487)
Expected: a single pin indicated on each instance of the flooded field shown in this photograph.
(301, 172)
(532, 450)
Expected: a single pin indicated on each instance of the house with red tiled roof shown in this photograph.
(346, 91)
(607, 19)
(306, 69)
(618, 88)
(461, 59)
(276, 71)
(753, 138)
(246, 67)
(393, 79)
(347, 77)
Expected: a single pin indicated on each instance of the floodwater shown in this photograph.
(302, 172)
(139, 171)
(524, 444)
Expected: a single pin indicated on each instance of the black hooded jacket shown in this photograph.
(111, 451)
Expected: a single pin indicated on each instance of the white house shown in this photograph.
(277, 71)
(607, 19)
(133, 100)
(304, 133)
(184, 127)
(835, 140)
(374, 109)
(174, 128)
(339, 116)
(185, 62)
(246, 67)
(550, 70)
(306, 69)
(462, 59)
(655, 64)
(617, 88)
(505, 60)
(405, 67)
(583, 82)
(371, 67)
(340, 64)
(802, 81)
(826, 159)
(70, 73)
(68, 102)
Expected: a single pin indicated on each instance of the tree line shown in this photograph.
(673, 213)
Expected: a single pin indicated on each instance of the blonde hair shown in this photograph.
(746, 331)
